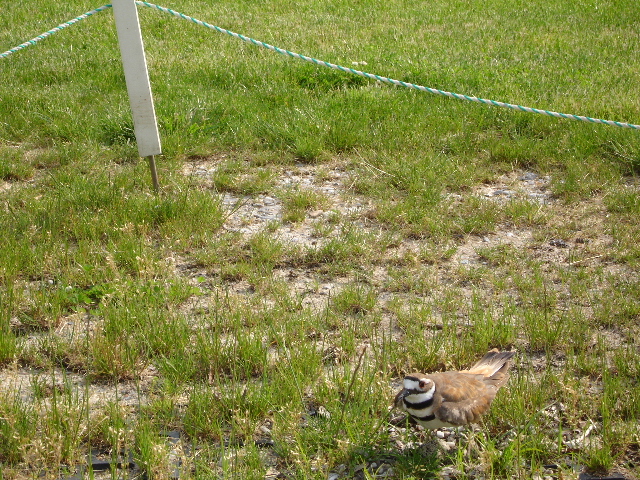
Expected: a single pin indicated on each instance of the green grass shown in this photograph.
(272, 345)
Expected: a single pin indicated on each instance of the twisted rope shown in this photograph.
(335, 67)
(35, 40)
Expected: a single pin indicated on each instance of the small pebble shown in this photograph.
(323, 412)
(529, 176)
(445, 445)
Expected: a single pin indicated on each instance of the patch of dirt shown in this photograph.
(34, 383)
(5, 186)
(523, 185)
(249, 215)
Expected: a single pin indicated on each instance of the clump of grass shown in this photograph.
(354, 300)
(13, 166)
(153, 451)
(297, 202)
(625, 201)
(309, 150)
(502, 254)
(524, 212)
(235, 176)
(9, 347)
(17, 428)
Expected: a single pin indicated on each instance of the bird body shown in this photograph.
(452, 399)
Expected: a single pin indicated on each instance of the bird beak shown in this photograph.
(400, 396)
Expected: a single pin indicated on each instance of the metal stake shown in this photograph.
(154, 173)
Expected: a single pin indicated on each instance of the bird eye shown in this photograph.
(422, 383)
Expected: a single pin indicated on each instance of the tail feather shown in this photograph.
(493, 365)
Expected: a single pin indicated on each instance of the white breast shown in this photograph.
(435, 423)
(417, 399)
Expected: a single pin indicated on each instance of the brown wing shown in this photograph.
(464, 397)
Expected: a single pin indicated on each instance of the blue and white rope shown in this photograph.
(35, 40)
(339, 67)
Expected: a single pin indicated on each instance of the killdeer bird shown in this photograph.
(452, 399)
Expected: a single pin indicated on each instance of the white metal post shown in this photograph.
(137, 79)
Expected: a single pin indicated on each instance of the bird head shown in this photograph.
(415, 384)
